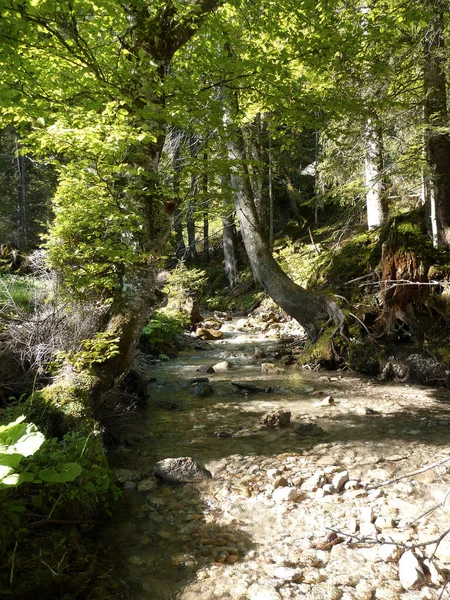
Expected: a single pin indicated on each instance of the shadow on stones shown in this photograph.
(157, 542)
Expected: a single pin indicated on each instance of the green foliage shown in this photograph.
(184, 281)
(96, 350)
(96, 234)
(159, 336)
(162, 328)
(59, 479)
(72, 478)
(17, 440)
(17, 293)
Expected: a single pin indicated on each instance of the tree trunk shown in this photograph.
(436, 116)
(304, 306)
(205, 212)
(77, 391)
(22, 240)
(373, 165)
(190, 214)
(180, 248)
(229, 251)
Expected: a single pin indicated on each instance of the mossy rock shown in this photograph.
(322, 353)
(364, 356)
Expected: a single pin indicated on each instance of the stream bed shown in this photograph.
(295, 511)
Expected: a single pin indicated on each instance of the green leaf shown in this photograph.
(10, 460)
(64, 473)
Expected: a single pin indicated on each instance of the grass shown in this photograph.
(17, 293)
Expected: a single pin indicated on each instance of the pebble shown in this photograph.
(327, 401)
(287, 574)
(285, 494)
(262, 592)
(339, 480)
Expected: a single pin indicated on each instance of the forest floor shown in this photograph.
(347, 501)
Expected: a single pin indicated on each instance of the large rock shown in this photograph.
(224, 365)
(276, 418)
(208, 334)
(180, 470)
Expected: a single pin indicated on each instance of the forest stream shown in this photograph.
(299, 509)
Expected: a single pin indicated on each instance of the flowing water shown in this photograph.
(168, 541)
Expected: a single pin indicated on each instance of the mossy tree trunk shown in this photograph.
(76, 392)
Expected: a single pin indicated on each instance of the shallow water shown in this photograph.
(162, 540)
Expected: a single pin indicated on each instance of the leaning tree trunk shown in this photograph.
(306, 307)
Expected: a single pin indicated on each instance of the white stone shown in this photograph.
(273, 473)
(443, 551)
(339, 480)
(436, 575)
(384, 523)
(222, 366)
(367, 529)
(389, 552)
(285, 494)
(410, 571)
(366, 514)
(314, 482)
(327, 401)
(286, 573)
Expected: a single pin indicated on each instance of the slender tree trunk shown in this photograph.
(180, 247)
(191, 208)
(437, 143)
(22, 237)
(229, 251)
(373, 167)
(304, 306)
(205, 212)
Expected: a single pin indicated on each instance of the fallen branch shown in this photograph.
(45, 522)
(375, 541)
(417, 472)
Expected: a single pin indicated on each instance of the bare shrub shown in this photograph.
(30, 339)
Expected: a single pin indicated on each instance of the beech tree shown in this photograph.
(89, 78)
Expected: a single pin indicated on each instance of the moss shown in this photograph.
(363, 357)
(356, 257)
(64, 406)
(321, 352)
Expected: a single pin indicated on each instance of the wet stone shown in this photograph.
(203, 390)
(276, 418)
(180, 470)
(203, 369)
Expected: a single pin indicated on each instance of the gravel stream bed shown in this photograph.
(330, 506)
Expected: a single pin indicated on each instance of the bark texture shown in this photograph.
(436, 116)
(308, 308)
(373, 166)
